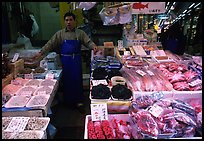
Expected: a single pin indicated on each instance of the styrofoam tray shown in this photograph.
(5, 122)
(110, 117)
(30, 82)
(39, 90)
(53, 81)
(17, 101)
(45, 119)
(98, 100)
(28, 134)
(24, 92)
(37, 98)
(7, 135)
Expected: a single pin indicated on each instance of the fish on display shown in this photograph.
(139, 5)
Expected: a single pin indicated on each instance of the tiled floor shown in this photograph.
(69, 122)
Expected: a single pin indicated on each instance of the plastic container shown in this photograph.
(118, 80)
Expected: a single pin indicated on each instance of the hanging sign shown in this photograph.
(99, 111)
(148, 7)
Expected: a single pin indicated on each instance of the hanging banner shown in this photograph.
(148, 7)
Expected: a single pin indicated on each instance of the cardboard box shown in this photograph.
(7, 80)
(16, 67)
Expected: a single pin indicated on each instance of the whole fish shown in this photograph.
(139, 5)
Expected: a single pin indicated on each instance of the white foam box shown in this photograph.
(110, 117)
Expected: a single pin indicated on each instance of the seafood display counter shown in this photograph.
(34, 98)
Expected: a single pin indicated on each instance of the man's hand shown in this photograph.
(95, 49)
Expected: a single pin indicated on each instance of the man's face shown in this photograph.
(69, 22)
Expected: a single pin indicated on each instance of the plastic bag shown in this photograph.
(86, 5)
(109, 16)
(22, 39)
(125, 14)
(35, 27)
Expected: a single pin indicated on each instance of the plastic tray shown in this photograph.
(30, 83)
(37, 98)
(29, 134)
(40, 92)
(53, 81)
(17, 101)
(24, 92)
(45, 125)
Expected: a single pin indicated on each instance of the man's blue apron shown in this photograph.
(72, 71)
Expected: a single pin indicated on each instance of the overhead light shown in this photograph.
(168, 3)
(184, 11)
(189, 11)
(191, 5)
(197, 5)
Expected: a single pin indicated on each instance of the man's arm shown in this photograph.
(88, 42)
(52, 43)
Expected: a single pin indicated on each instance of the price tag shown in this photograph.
(120, 43)
(17, 124)
(41, 92)
(195, 82)
(49, 76)
(155, 110)
(15, 57)
(28, 76)
(99, 111)
(140, 72)
(97, 82)
(150, 72)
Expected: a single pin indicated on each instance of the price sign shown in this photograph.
(140, 72)
(99, 111)
(28, 76)
(156, 110)
(15, 57)
(17, 124)
(195, 82)
(50, 76)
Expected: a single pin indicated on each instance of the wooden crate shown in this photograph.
(16, 67)
(7, 80)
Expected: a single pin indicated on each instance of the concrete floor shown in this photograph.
(69, 122)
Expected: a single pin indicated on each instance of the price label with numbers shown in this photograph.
(99, 111)
(195, 82)
(140, 72)
(155, 110)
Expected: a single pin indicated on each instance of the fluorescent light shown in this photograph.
(191, 5)
(189, 11)
(172, 7)
(184, 11)
(168, 3)
(197, 5)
